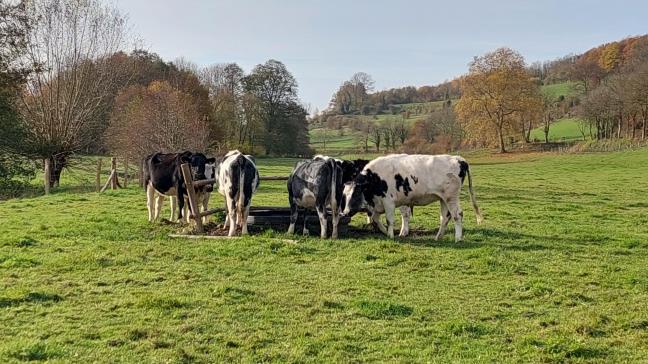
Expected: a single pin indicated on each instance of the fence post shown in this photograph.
(48, 175)
(191, 192)
(98, 176)
(113, 172)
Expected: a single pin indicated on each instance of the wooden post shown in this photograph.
(125, 172)
(98, 176)
(109, 181)
(48, 175)
(113, 174)
(191, 192)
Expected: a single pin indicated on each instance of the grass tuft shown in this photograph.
(379, 310)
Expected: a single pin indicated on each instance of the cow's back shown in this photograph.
(417, 178)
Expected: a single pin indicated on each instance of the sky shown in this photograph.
(399, 43)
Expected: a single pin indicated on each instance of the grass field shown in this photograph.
(562, 130)
(556, 274)
(561, 89)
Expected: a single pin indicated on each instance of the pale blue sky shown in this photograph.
(398, 42)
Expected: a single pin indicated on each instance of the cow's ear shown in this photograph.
(185, 157)
(211, 160)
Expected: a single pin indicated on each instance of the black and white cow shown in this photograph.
(238, 180)
(315, 185)
(403, 181)
(350, 168)
(202, 194)
(162, 176)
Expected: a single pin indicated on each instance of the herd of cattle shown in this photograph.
(323, 183)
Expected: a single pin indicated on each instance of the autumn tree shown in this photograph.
(496, 89)
(156, 118)
(550, 112)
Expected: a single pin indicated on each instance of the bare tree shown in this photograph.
(71, 43)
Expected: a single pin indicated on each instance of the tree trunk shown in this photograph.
(501, 140)
(48, 175)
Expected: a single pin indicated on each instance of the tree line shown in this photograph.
(70, 86)
(500, 100)
(356, 96)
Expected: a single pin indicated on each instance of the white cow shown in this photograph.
(402, 180)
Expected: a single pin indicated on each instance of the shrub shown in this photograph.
(15, 174)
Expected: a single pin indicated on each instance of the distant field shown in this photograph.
(561, 130)
(558, 89)
(556, 274)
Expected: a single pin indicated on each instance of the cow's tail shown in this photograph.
(473, 198)
(334, 176)
(241, 196)
(145, 172)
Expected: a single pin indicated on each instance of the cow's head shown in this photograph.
(199, 166)
(210, 172)
(353, 196)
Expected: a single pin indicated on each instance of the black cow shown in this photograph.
(314, 185)
(162, 177)
(238, 179)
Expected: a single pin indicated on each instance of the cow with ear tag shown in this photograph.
(203, 193)
(401, 180)
(163, 178)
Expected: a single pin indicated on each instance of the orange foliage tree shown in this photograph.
(156, 118)
(496, 93)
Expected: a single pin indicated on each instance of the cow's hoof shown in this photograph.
(306, 232)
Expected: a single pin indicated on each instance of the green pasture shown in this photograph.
(558, 273)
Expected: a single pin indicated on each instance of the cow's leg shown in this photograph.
(305, 228)
(231, 212)
(335, 219)
(172, 205)
(375, 218)
(321, 213)
(368, 218)
(406, 213)
(457, 216)
(444, 217)
(244, 216)
(390, 210)
(294, 214)
(150, 201)
(187, 212)
(205, 205)
(159, 200)
(226, 224)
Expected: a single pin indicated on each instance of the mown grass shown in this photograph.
(557, 274)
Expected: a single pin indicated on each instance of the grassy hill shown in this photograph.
(565, 89)
(556, 274)
(562, 130)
